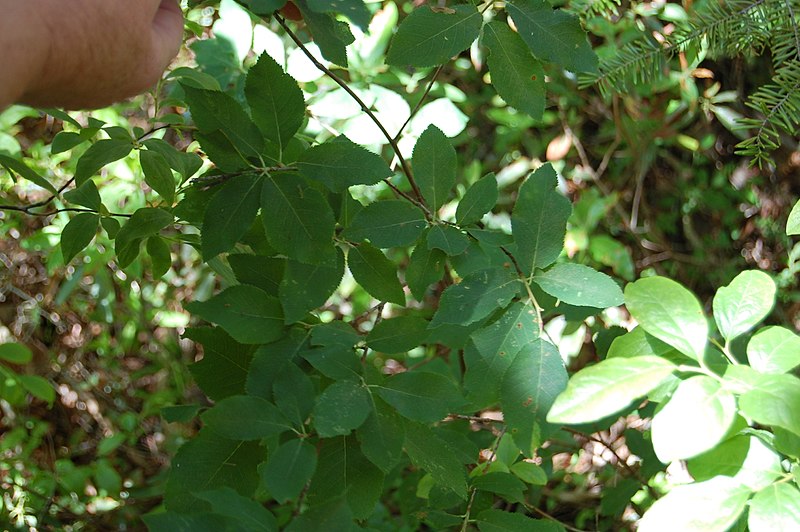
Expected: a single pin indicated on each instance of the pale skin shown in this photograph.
(84, 54)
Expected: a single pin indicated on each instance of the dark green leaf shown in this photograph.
(529, 472)
(175, 522)
(175, 414)
(245, 417)
(158, 249)
(186, 164)
(576, 284)
(144, 223)
(421, 395)
(430, 453)
(429, 37)
(85, 195)
(435, 165)
(500, 521)
(230, 214)
(398, 335)
(516, 75)
(298, 220)
(355, 10)
(333, 515)
(98, 155)
(331, 35)
(38, 387)
(540, 220)
(449, 239)
(504, 484)
(249, 515)
(339, 163)
(294, 393)
(15, 353)
(221, 151)
(223, 370)
(425, 267)
(478, 200)
(342, 407)
(270, 360)
(289, 469)
(157, 174)
(476, 296)
(388, 223)
(247, 313)
(13, 165)
(276, 101)
(334, 361)
(77, 234)
(335, 333)
(553, 35)
(375, 273)
(65, 141)
(381, 438)
(257, 270)
(263, 7)
(308, 286)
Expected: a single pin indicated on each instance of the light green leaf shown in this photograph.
(85, 195)
(288, 470)
(529, 388)
(98, 155)
(774, 508)
(774, 401)
(793, 223)
(398, 335)
(710, 506)
(299, 222)
(576, 284)
(669, 312)
(774, 350)
(421, 395)
(431, 454)
(375, 273)
(746, 301)
(425, 267)
(38, 387)
(387, 224)
(144, 223)
(26, 172)
(247, 313)
(539, 221)
(15, 353)
(342, 407)
(700, 407)
(429, 37)
(339, 163)
(476, 296)
(530, 473)
(638, 343)
(553, 35)
(308, 286)
(276, 101)
(516, 75)
(230, 213)
(157, 174)
(435, 165)
(479, 199)
(608, 387)
(77, 234)
(449, 239)
(245, 417)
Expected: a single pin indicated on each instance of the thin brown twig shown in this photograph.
(419, 200)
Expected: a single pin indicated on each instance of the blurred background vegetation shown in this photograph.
(652, 173)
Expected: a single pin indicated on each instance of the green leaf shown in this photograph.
(342, 407)
(429, 37)
(774, 401)
(504, 484)
(276, 101)
(339, 163)
(160, 256)
(334, 361)
(793, 222)
(175, 522)
(435, 165)
(516, 75)
(98, 155)
(476, 296)
(669, 312)
(606, 388)
(576, 284)
(223, 370)
(553, 35)
(171, 414)
(222, 152)
(257, 270)
(210, 461)
(775, 508)
(387, 224)
(700, 407)
(13, 165)
(530, 473)
(85, 195)
(425, 267)
(247, 313)
(449, 239)
(745, 458)
(381, 437)
(355, 10)
(430, 453)
(245, 417)
(331, 35)
(15, 353)
(479, 199)
(289, 469)
(638, 343)
(144, 223)
(38, 387)
(308, 286)
(710, 506)
(375, 273)
(77, 234)
(398, 335)
(249, 515)
(214, 111)
(502, 521)
(298, 220)
(294, 393)
(529, 388)
(421, 395)
(263, 7)
(65, 141)
(774, 350)
(186, 164)
(230, 214)
(270, 360)
(157, 174)
(539, 220)
(747, 300)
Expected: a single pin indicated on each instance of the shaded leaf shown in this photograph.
(479, 199)
(435, 165)
(230, 214)
(476, 296)
(245, 417)
(448, 239)
(339, 163)
(342, 407)
(398, 335)
(85, 195)
(375, 273)
(144, 223)
(386, 224)
(425, 267)
(276, 101)
(157, 174)
(77, 234)
(257, 270)
(421, 395)
(223, 370)
(289, 469)
(381, 438)
(430, 453)
(15, 353)
(306, 287)
(249, 515)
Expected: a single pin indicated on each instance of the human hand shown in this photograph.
(99, 51)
